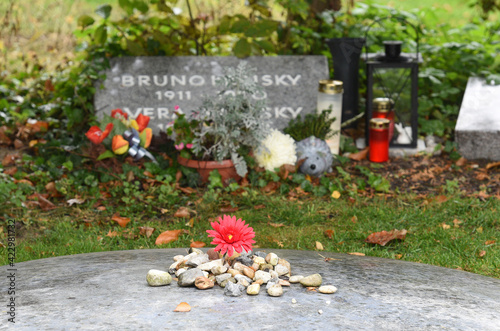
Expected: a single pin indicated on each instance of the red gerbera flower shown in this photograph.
(95, 134)
(231, 235)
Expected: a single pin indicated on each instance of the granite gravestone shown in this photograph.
(153, 86)
(478, 126)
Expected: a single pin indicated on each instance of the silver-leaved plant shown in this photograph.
(234, 119)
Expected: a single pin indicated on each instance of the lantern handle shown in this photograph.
(399, 18)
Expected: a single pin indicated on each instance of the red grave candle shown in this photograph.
(384, 108)
(379, 139)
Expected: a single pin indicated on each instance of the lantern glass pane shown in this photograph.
(395, 83)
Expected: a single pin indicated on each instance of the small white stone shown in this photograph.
(320, 312)
(328, 302)
(265, 276)
(259, 260)
(158, 278)
(281, 269)
(273, 274)
(253, 289)
(180, 271)
(275, 291)
(205, 274)
(179, 258)
(327, 289)
(218, 270)
(294, 301)
(295, 279)
(209, 265)
(272, 259)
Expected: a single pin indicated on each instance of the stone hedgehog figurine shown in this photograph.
(317, 155)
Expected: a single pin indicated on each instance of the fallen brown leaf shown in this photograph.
(482, 176)
(101, 208)
(493, 165)
(271, 187)
(311, 289)
(461, 162)
(167, 237)
(10, 159)
(10, 171)
(441, 198)
(229, 209)
(190, 223)
(489, 242)
(383, 237)
(146, 231)
(445, 226)
(259, 207)
(183, 307)
(197, 244)
(456, 223)
(187, 190)
(24, 181)
(183, 212)
(398, 256)
(44, 203)
(354, 219)
(319, 246)
(18, 144)
(361, 155)
(329, 233)
(122, 221)
(482, 253)
(275, 225)
(112, 234)
(335, 194)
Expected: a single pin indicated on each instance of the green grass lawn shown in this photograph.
(458, 233)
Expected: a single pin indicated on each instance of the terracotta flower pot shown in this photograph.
(225, 168)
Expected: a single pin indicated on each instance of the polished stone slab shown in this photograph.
(108, 291)
(477, 130)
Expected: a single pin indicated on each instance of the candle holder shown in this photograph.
(379, 139)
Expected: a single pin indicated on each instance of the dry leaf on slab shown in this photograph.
(329, 233)
(122, 221)
(146, 231)
(361, 155)
(319, 246)
(356, 253)
(383, 237)
(183, 212)
(183, 307)
(167, 237)
(197, 244)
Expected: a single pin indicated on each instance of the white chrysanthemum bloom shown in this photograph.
(275, 150)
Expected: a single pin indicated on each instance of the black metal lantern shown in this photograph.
(393, 76)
